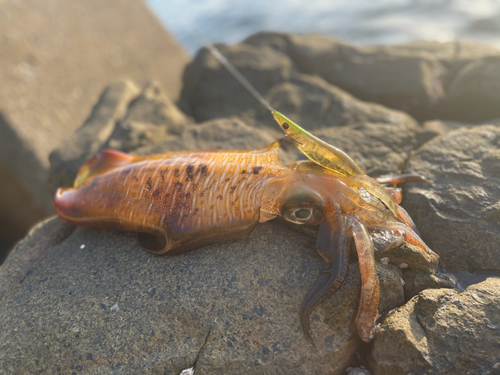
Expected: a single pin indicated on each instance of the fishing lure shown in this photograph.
(179, 201)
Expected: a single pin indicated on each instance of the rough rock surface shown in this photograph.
(55, 58)
(458, 213)
(442, 331)
(150, 118)
(103, 304)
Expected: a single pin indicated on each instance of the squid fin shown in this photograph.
(101, 163)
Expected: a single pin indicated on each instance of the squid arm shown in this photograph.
(333, 243)
(370, 291)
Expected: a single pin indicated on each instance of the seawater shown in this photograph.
(355, 21)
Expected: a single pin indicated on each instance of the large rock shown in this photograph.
(415, 77)
(91, 137)
(100, 303)
(458, 212)
(56, 57)
(210, 91)
(441, 331)
(122, 119)
(474, 93)
(314, 104)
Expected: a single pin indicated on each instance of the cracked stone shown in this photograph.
(442, 331)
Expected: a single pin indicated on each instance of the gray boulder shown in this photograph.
(474, 92)
(314, 104)
(55, 60)
(102, 304)
(122, 119)
(150, 118)
(458, 212)
(210, 91)
(91, 137)
(442, 331)
(425, 79)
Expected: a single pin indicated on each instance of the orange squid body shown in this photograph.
(183, 199)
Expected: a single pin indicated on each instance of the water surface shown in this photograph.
(356, 21)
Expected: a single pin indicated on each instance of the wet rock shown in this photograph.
(474, 93)
(100, 302)
(210, 91)
(314, 104)
(458, 212)
(442, 331)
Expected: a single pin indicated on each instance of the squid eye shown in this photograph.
(304, 215)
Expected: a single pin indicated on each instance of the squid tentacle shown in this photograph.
(408, 234)
(370, 291)
(396, 179)
(403, 214)
(333, 243)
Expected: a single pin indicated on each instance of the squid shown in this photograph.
(180, 201)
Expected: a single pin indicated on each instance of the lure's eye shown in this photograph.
(304, 215)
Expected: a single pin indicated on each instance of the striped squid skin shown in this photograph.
(186, 199)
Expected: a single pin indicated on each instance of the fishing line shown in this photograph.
(235, 73)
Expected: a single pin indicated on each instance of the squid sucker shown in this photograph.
(181, 200)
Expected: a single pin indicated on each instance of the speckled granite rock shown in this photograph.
(458, 212)
(442, 331)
